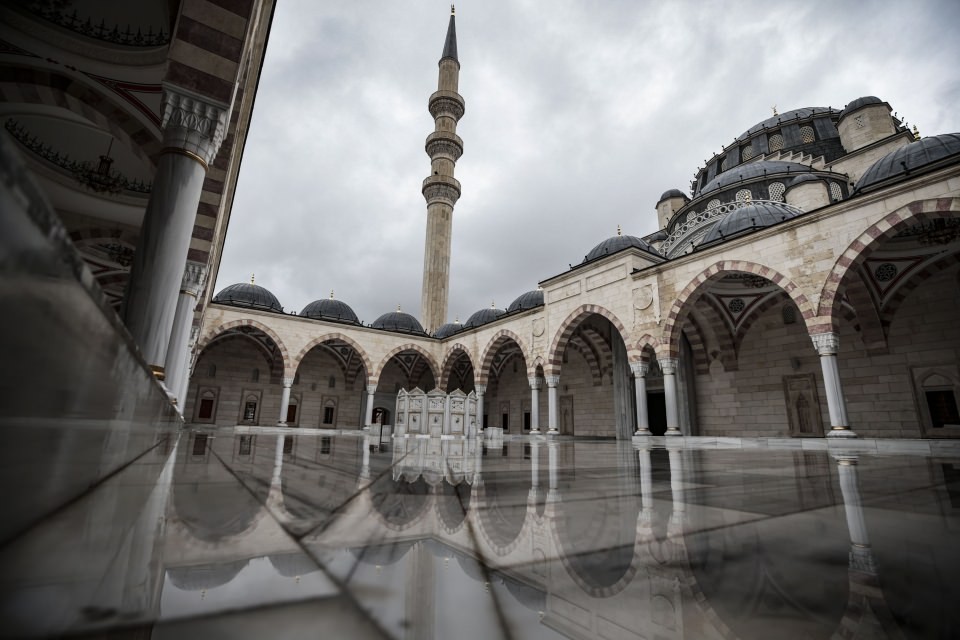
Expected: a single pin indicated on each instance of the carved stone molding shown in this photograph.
(444, 146)
(536, 382)
(826, 344)
(446, 104)
(441, 192)
(668, 366)
(639, 369)
(552, 381)
(193, 124)
(194, 275)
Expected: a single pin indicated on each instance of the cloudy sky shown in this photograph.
(579, 115)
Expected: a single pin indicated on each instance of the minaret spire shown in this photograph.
(441, 190)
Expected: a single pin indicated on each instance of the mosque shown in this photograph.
(805, 284)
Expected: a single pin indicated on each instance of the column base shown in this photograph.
(673, 431)
(552, 432)
(366, 427)
(534, 432)
(644, 432)
(842, 432)
(281, 424)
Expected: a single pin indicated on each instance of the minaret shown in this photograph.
(441, 190)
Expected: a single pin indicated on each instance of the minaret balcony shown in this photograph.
(447, 103)
(444, 144)
(441, 189)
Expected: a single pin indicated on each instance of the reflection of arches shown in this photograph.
(452, 504)
(573, 321)
(210, 502)
(382, 554)
(329, 341)
(499, 339)
(398, 502)
(427, 358)
(291, 565)
(502, 513)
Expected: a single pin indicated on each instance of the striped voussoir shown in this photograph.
(698, 345)
(646, 347)
(588, 354)
(454, 353)
(493, 345)
(434, 369)
(246, 322)
(329, 337)
(569, 326)
(722, 331)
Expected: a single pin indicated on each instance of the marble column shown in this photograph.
(368, 413)
(285, 402)
(553, 402)
(187, 366)
(535, 384)
(178, 354)
(861, 556)
(669, 368)
(193, 128)
(640, 388)
(827, 345)
(481, 390)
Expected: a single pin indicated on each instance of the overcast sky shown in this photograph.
(579, 115)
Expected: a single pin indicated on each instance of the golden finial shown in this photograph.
(774, 107)
(253, 278)
(456, 319)
(453, 10)
(398, 308)
(916, 132)
(331, 294)
(619, 231)
(493, 304)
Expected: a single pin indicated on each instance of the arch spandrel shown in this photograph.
(482, 375)
(221, 329)
(569, 326)
(454, 353)
(410, 346)
(330, 337)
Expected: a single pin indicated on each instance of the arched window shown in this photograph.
(747, 152)
(744, 195)
(836, 192)
(212, 371)
(255, 375)
(332, 382)
(776, 191)
(807, 135)
(775, 142)
(713, 204)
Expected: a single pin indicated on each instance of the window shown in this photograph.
(836, 192)
(326, 445)
(255, 375)
(776, 191)
(775, 142)
(725, 164)
(332, 382)
(212, 371)
(744, 195)
(526, 421)
(292, 413)
(246, 445)
(789, 313)
(504, 451)
(250, 411)
(328, 415)
(943, 408)
(506, 421)
(747, 153)
(206, 409)
(807, 135)
(713, 204)
(288, 444)
(200, 444)
(526, 451)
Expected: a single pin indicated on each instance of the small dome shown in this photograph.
(527, 300)
(672, 193)
(859, 102)
(483, 317)
(447, 330)
(330, 309)
(916, 155)
(247, 294)
(750, 217)
(618, 243)
(291, 565)
(752, 170)
(657, 236)
(205, 577)
(400, 322)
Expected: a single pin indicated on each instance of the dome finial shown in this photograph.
(916, 132)
(398, 308)
(774, 107)
(331, 294)
(453, 10)
(253, 278)
(619, 231)
(493, 304)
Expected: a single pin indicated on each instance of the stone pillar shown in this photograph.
(669, 368)
(535, 384)
(365, 468)
(188, 363)
(645, 518)
(368, 414)
(640, 388)
(827, 345)
(178, 354)
(193, 128)
(480, 389)
(285, 402)
(553, 402)
(861, 556)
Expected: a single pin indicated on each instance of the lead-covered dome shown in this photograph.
(672, 193)
(781, 119)
(484, 316)
(749, 217)
(244, 294)
(753, 170)
(619, 243)
(447, 330)
(400, 322)
(527, 300)
(907, 159)
(858, 103)
(330, 309)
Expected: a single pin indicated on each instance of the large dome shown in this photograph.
(246, 294)
(527, 300)
(909, 158)
(448, 330)
(775, 122)
(753, 170)
(400, 322)
(750, 217)
(484, 316)
(330, 309)
(618, 243)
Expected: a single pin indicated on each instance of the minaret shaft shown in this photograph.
(441, 190)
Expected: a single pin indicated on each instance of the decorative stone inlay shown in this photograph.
(826, 343)
(859, 121)
(736, 305)
(192, 123)
(194, 275)
(668, 366)
(552, 381)
(639, 369)
(886, 272)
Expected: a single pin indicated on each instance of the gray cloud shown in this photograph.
(579, 115)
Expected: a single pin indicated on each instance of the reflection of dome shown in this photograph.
(330, 309)
(448, 330)
(749, 217)
(753, 170)
(483, 317)
(532, 598)
(528, 300)
(859, 102)
(618, 243)
(382, 554)
(214, 510)
(907, 159)
(247, 294)
(291, 565)
(672, 193)
(207, 576)
(400, 322)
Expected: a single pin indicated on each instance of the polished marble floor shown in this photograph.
(246, 534)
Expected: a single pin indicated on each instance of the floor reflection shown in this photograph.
(432, 538)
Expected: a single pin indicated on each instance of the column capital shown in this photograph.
(552, 381)
(536, 382)
(826, 344)
(668, 365)
(639, 369)
(194, 275)
(288, 382)
(480, 389)
(371, 389)
(193, 125)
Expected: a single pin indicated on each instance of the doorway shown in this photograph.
(657, 413)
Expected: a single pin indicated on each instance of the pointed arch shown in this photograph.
(645, 346)
(584, 349)
(493, 345)
(410, 346)
(450, 359)
(694, 290)
(329, 337)
(856, 253)
(569, 326)
(219, 330)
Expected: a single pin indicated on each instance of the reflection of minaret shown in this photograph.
(441, 190)
(420, 594)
